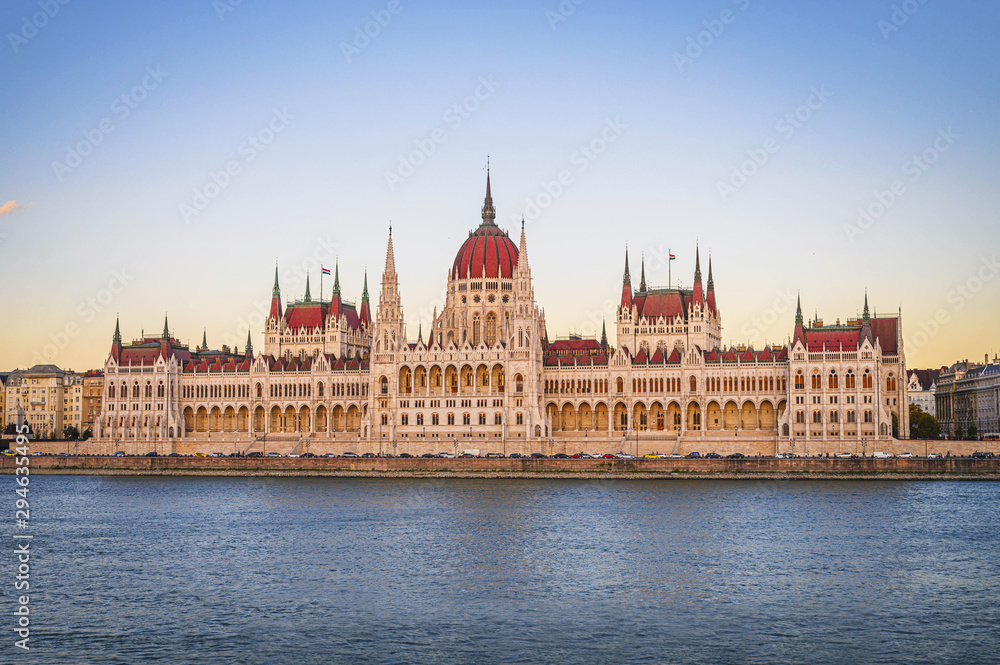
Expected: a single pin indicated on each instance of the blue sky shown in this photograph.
(833, 100)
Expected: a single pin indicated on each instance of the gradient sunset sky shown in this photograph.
(116, 116)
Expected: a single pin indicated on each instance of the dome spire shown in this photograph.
(489, 212)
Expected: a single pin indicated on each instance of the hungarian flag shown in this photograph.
(672, 257)
(325, 271)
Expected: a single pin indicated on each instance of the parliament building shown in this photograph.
(334, 376)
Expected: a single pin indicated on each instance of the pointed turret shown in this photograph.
(626, 303)
(249, 350)
(166, 328)
(365, 313)
(420, 333)
(275, 297)
(204, 339)
(489, 212)
(866, 324)
(116, 343)
(522, 251)
(336, 279)
(799, 326)
(642, 278)
(308, 297)
(165, 339)
(604, 334)
(697, 297)
(710, 293)
(390, 258)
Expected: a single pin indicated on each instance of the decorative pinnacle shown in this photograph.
(308, 297)
(489, 212)
(117, 339)
(336, 279)
(276, 292)
(166, 329)
(798, 310)
(642, 279)
(628, 277)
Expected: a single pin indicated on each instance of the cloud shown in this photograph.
(12, 207)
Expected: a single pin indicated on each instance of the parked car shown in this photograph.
(447, 455)
(624, 456)
(538, 455)
(367, 455)
(405, 455)
(273, 454)
(981, 455)
(844, 455)
(736, 456)
(675, 456)
(935, 456)
(151, 453)
(177, 455)
(428, 455)
(494, 455)
(881, 455)
(906, 455)
(694, 455)
(200, 455)
(653, 456)
(607, 456)
(330, 455)
(350, 454)
(255, 453)
(118, 453)
(310, 455)
(561, 456)
(577, 456)
(515, 455)
(713, 455)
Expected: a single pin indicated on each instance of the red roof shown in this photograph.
(668, 303)
(487, 247)
(849, 338)
(885, 331)
(312, 315)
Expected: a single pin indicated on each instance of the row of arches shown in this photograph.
(451, 380)
(657, 416)
(277, 419)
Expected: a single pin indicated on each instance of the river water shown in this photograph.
(337, 570)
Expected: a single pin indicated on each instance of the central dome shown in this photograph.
(488, 251)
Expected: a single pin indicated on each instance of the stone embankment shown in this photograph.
(749, 468)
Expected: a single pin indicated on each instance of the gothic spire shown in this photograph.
(249, 351)
(336, 279)
(628, 278)
(642, 279)
(364, 292)
(798, 310)
(390, 259)
(117, 339)
(204, 339)
(604, 333)
(697, 266)
(308, 297)
(276, 292)
(489, 213)
(711, 282)
(166, 329)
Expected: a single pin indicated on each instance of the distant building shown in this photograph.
(93, 388)
(968, 395)
(920, 388)
(51, 398)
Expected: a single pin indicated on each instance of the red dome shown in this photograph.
(487, 246)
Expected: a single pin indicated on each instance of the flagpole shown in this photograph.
(321, 284)
(670, 281)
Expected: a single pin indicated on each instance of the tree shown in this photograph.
(71, 433)
(10, 429)
(959, 431)
(923, 425)
(973, 432)
(895, 426)
(87, 433)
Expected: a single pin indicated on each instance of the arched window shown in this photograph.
(475, 330)
(482, 418)
(451, 418)
(319, 389)
(866, 382)
(621, 385)
(890, 383)
(518, 384)
(384, 385)
(849, 382)
(817, 381)
(466, 419)
(111, 391)
(694, 384)
(491, 329)
(834, 381)
(800, 381)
